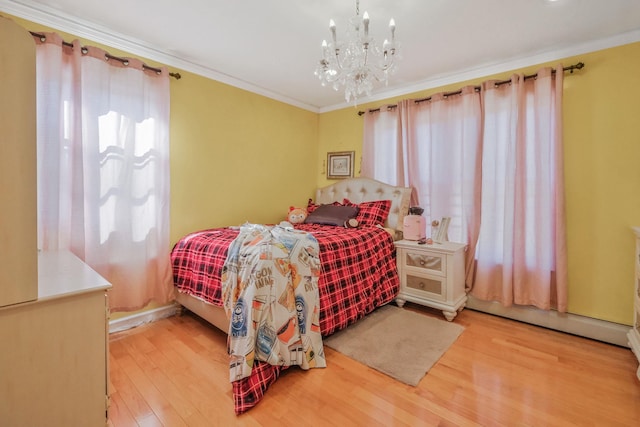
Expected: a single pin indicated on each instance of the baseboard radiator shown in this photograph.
(137, 319)
(600, 330)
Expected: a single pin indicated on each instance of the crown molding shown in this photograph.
(488, 69)
(50, 17)
(53, 18)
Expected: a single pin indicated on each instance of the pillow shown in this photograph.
(331, 215)
(311, 206)
(371, 213)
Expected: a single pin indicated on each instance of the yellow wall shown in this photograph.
(602, 174)
(237, 156)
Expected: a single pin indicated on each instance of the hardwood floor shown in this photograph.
(500, 372)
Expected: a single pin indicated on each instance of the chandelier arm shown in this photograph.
(365, 48)
(337, 55)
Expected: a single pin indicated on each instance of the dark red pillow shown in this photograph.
(371, 213)
(311, 206)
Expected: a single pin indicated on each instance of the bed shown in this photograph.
(358, 271)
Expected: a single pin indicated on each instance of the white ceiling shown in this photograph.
(271, 47)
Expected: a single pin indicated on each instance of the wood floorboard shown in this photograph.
(499, 372)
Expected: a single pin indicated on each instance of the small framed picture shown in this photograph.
(340, 164)
(440, 231)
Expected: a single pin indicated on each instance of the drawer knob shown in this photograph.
(421, 284)
(422, 262)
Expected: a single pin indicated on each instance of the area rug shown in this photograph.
(395, 341)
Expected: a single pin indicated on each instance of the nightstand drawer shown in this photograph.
(429, 287)
(429, 262)
(432, 275)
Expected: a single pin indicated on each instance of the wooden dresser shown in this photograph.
(18, 197)
(53, 308)
(634, 333)
(53, 363)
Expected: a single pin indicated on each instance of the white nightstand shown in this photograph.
(432, 275)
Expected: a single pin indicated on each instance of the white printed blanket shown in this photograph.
(270, 292)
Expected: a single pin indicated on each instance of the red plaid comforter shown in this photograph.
(358, 274)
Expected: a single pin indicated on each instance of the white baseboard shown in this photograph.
(601, 330)
(142, 317)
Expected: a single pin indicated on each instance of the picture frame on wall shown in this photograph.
(340, 164)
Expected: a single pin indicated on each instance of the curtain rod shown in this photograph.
(125, 61)
(570, 68)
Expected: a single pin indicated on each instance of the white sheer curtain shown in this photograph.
(103, 168)
(444, 143)
(433, 146)
(521, 256)
(383, 150)
(494, 165)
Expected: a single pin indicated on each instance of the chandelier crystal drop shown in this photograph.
(358, 61)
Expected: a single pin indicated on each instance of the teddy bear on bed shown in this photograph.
(294, 216)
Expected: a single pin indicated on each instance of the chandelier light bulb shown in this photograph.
(392, 28)
(357, 62)
(365, 21)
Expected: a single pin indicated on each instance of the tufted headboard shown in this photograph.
(366, 190)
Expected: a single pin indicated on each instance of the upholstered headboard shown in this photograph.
(366, 190)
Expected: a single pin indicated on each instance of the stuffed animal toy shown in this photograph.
(351, 223)
(296, 215)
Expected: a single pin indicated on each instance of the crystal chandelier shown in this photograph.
(357, 62)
